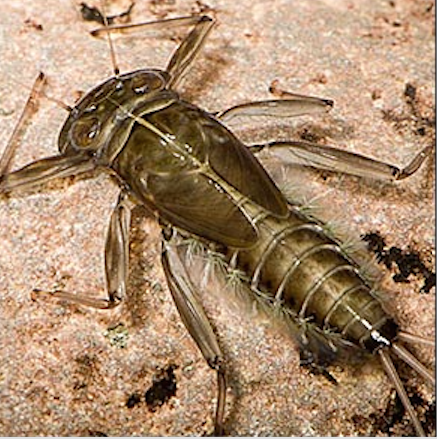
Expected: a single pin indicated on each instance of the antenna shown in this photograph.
(111, 46)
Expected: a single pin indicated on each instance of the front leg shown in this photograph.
(195, 320)
(45, 170)
(40, 171)
(116, 261)
(186, 52)
(28, 111)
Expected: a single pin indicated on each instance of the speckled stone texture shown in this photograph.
(64, 369)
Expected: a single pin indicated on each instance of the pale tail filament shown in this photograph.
(412, 338)
(411, 360)
(394, 378)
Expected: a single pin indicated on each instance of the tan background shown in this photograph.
(59, 374)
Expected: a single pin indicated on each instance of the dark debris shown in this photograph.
(86, 372)
(404, 263)
(394, 415)
(97, 433)
(133, 400)
(90, 13)
(430, 418)
(309, 136)
(414, 119)
(163, 388)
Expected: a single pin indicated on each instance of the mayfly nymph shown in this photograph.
(201, 182)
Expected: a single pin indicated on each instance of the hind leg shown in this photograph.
(337, 160)
(195, 320)
(314, 155)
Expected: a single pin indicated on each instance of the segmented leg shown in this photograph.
(337, 160)
(394, 377)
(117, 250)
(195, 320)
(116, 261)
(311, 154)
(45, 170)
(40, 171)
(187, 50)
(29, 109)
(293, 105)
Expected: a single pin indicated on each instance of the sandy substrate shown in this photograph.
(64, 369)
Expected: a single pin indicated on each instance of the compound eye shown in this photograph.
(84, 131)
(146, 82)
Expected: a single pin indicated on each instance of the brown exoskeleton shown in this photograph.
(202, 182)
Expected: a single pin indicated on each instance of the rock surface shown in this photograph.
(67, 370)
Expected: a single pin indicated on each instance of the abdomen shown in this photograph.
(302, 269)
